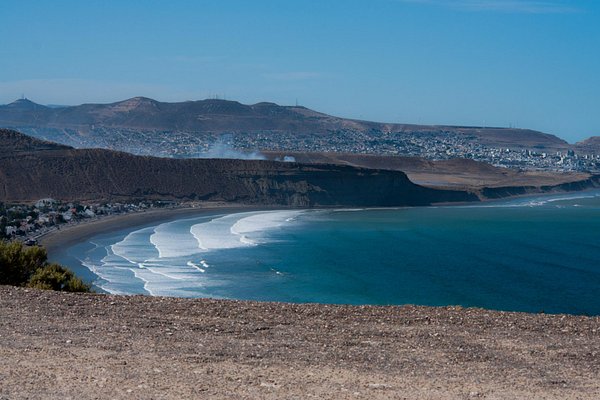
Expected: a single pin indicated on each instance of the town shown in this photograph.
(434, 145)
(29, 222)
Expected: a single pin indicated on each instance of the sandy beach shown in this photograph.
(70, 234)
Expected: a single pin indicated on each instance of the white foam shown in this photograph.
(239, 230)
(541, 201)
(165, 273)
(161, 258)
(537, 201)
(216, 234)
(113, 279)
(158, 283)
(191, 264)
(173, 240)
(262, 222)
(134, 247)
(576, 197)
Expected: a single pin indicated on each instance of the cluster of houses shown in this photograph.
(27, 222)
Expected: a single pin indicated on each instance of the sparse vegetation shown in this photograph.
(28, 266)
(57, 277)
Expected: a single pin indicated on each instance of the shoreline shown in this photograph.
(71, 234)
(68, 247)
(56, 241)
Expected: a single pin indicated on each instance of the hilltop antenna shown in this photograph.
(296, 102)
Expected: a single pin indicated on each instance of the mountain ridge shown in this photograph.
(227, 116)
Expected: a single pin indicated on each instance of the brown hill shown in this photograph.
(12, 142)
(456, 173)
(70, 174)
(222, 116)
(202, 116)
(589, 146)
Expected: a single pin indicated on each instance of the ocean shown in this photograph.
(536, 254)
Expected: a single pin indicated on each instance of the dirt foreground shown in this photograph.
(77, 346)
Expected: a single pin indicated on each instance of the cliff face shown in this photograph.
(69, 174)
(508, 191)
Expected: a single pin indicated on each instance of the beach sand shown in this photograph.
(83, 346)
(70, 234)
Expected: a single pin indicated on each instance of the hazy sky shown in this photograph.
(526, 63)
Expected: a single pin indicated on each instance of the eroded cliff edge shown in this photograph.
(32, 169)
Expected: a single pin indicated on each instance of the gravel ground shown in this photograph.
(81, 346)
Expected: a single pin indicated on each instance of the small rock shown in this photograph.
(378, 386)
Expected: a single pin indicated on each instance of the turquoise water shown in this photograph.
(534, 254)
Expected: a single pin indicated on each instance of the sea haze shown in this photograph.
(530, 254)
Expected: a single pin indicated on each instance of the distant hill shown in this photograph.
(12, 142)
(589, 146)
(201, 116)
(222, 116)
(41, 169)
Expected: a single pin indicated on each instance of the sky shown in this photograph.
(521, 63)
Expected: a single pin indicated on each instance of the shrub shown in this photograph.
(18, 263)
(57, 277)
(28, 266)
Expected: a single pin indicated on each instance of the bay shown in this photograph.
(529, 254)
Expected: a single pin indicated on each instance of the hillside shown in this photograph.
(139, 114)
(589, 146)
(201, 116)
(12, 142)
(95, 174)
(456, 173)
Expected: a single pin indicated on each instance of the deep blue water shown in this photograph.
(534, 254)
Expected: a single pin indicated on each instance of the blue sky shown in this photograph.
(533, 64)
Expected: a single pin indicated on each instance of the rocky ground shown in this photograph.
(57, 345)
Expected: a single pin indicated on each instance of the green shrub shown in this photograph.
(57, 277)
(27, 266)
(18, 263)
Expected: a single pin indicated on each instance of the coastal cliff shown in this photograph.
(592, 182)
(35, 169)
